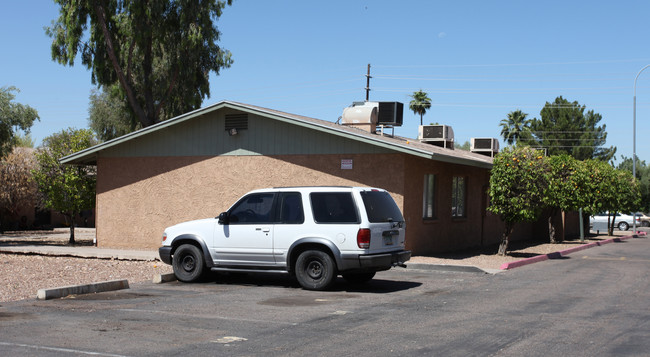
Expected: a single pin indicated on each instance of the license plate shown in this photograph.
(388, 240)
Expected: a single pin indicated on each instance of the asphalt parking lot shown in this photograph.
(590, 303)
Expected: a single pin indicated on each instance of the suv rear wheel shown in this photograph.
(188, 263)
(315, 270)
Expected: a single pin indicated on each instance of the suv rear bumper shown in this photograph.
(381, 261)
(165, 254)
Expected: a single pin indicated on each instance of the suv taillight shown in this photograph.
(363, 238)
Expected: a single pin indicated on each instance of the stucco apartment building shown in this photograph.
(196, 165)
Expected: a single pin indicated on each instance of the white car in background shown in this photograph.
(621, 221)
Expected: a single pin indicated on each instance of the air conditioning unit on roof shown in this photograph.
(485, 146)
(440, 135)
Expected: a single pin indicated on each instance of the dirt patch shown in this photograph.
(487, 258)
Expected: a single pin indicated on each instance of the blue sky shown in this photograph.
(478, 60)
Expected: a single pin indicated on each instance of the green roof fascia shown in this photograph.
(90, 155)
(372, 141)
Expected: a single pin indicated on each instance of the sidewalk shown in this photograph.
(55, 243)
(82, 252)
(42, 244)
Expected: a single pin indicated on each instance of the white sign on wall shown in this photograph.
(346, 164)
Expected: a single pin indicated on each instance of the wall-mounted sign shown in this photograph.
(346, 164)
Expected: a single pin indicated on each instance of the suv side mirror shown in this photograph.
(224, 218)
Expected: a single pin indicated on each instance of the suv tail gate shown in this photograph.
(386, 221)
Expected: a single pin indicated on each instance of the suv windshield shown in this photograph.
(381, 207)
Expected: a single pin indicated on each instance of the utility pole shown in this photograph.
(368, 84)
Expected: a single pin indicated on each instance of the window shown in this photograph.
(333, 207)
(458, 197)
(429, 197)
(255, 208)
(381, 207)
(291, 211)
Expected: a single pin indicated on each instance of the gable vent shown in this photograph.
(236, 121)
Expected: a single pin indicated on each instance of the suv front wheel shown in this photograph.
(315, 270)
(188, 263)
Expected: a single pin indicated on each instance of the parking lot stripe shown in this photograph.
(274, 322)
(57, 349)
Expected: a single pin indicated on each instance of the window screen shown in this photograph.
(458, 197)
(429, 197)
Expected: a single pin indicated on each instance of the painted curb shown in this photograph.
(562, 253)
(163, 278)
(55, 293)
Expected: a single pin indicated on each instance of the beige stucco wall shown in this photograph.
(138, 197)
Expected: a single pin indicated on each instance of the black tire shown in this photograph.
(315, 270)
(623, 226)
(359, 278)
(188, 263)
(645, 224)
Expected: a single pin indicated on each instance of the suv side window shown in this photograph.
(254, 208)
(333, 207)
(291, 211)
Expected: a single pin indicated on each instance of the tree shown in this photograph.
(643, 177)
(159, 53)
(610, 190)
(67, 189)
(420, 103)
(518, 183)
(13, 117)
(515, 127)
(109, 116)
(466, 146)
(566, 188)
(17, 189)
(623, 195)
(564, 128)
(23, 141)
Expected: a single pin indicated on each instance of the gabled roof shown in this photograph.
(397, 144)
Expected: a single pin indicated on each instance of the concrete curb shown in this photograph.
(54, 293)
(562, 253)
(163, 278)
(445, 267)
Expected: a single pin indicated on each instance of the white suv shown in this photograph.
(314, 233)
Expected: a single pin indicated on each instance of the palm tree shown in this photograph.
(516, 127)
(420, 103)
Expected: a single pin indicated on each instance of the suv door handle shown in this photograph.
(265, 230)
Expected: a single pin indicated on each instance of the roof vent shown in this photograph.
(439, 135)
(485, 146)
(236, 121)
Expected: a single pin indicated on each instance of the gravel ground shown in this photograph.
(24, 275)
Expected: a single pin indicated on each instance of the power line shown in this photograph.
(514, 64)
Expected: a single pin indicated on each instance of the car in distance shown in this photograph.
(623, 221)
(644, 218)
(312, 233)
